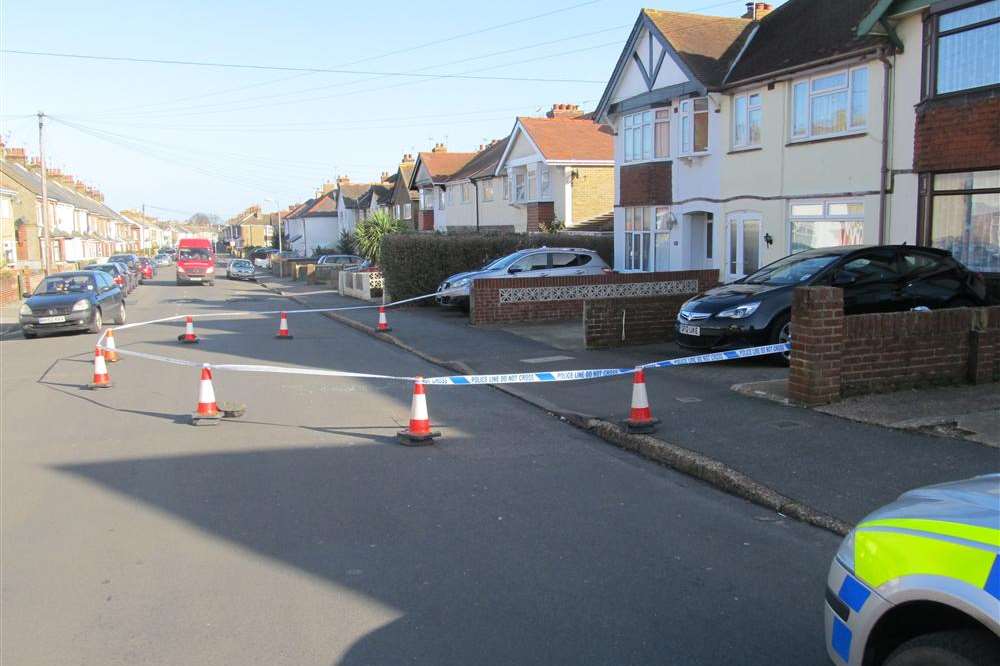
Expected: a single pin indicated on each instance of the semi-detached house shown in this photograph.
(740, 140)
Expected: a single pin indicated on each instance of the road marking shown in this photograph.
(688, 399)
(546, 359)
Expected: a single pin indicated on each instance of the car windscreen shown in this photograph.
(791, 270)
(503, 262)
(196, 253)
(242, 263)
(65, 284)
(106, 268)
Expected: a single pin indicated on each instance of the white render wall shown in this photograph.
(905, 95)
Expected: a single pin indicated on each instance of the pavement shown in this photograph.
(8, 318)
(833, 470)
(304, 534)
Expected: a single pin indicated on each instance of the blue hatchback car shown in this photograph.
(72, 301)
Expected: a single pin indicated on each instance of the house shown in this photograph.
(478, 199)
(348, 210)
(943, 167)
(248, 229)
(560, 168)
(405, 202)
(314, 224)
(431, 172)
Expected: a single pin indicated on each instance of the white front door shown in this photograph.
(742, 245)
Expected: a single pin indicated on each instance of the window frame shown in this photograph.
(927, 234)
(759, 106)
(824, 216)
(488, 193)
(648, 121)
(649, 231)
(847, 88)
(687, 112)
(932, 34)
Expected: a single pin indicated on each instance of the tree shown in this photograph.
(346, 244)
(369, 233)
(204, 219)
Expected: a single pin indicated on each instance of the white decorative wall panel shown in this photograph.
(596, 291)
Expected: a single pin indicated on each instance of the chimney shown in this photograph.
(326, 188)
(385, 176)
(757, 10)
(35, 164)
(407, 159)
(80, 187)
(66, 180)
(564, 111)
(439, 148)
(17, 156)
(343, 180)
(53, 173)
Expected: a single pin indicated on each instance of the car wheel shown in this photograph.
(963, 647)
(28, 336)
(781, 332)
(97, 324)
(120, 319)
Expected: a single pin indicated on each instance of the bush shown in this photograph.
(369, 233)
(346, 244)
(415, 264)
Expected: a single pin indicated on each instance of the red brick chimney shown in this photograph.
(343, 180)
(439, 148)
(35, 164)
(17, 156)
(385, 176)
(407, 159)
(80, 187)
(564, 111)
(757, 10)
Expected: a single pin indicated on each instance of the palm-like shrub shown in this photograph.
(346, 244)
(369, 233)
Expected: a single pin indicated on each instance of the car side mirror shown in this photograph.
(26, 294)
(514, 269)
(843, 279)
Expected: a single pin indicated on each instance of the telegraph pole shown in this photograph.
(47, 250)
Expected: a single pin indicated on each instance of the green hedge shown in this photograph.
(415, 264)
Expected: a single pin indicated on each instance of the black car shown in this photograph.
(756, 310)
(72, 301)
(130, 260)
(118, 272)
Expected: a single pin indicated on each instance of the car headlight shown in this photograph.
(25, 310)
(464, 282)
(209, 270)
(740, 311)
(180, 269)
(846, 551)
(81, 305)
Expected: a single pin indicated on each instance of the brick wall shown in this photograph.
(835, 356)
(427, 220)
(613, 322)
(593, 192)
(486, 307)
(646, 184)
(538, 213)
(960, 133)
(11, 289)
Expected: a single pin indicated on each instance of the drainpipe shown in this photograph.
(884, 173)
(475, 193)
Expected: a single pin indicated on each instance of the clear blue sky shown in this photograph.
(217, 140)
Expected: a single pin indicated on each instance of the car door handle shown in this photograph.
(578, 271)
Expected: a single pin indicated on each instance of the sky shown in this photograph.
(181, 139)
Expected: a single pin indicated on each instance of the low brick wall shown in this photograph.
(614, 322)
(505, 300)
(836, 356)
(11, 289)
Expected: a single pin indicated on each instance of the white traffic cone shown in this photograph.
(419, 432)
(283, 333)
(207, 412)
(640, 419)
(383, 323)
(110, 351)
(188, 337)
(101, 377)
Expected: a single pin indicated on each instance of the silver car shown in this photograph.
(240, 269)
(533, 262)
(339, 260)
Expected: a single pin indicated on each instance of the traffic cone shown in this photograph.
(207, 412)
(110, 351)
(188, 336)
(419, 433)
(640, 419)
(101, 377)
(283, 333)
(383, 323)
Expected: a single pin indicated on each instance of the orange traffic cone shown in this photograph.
(383, 323)
(640, 419)
(419, 433)
(283, 333)
(110, 351)
(188, 337)
(207, 412)
(101, 377)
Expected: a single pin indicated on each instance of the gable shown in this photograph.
(649, 65)
(522, 148)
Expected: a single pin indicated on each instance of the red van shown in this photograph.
(195, 261)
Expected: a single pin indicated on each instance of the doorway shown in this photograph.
(742, 244)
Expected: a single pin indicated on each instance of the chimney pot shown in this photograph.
(564, 111)
(757, 10)
(439, 148)
(16, 155)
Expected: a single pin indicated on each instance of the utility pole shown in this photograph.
(47, 250)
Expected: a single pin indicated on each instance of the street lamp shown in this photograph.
(278, 208)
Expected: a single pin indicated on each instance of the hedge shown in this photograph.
(415, 264)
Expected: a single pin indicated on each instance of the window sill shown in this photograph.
(692, 156)
(746, 149)
(655, 159)
(828, 137)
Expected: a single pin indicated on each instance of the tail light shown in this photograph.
(119, 281)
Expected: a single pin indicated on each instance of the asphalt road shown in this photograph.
(303, 534)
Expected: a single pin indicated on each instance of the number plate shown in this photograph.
(194, 278)
(688, 330)
(52, 320)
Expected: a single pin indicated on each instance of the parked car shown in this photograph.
(162, 259)
(72, 301)
(240, 269)
(339, 260)
(130, 260)
(261, 256)
(119, 274)
(756, 310)
(533, 262)
(918, 581)
(147, 269)
(195, 261)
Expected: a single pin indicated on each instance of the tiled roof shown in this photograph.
(484, 163)
(706, 44)
(325, 206)
(803, 31)
(569, 139)
(441, 165)
(352, 192)
(31, 181)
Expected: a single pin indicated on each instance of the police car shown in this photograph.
(918, 581)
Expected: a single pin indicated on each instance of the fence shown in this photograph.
(365, 285)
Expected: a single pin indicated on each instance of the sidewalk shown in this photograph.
(9, 325)
(837, 467)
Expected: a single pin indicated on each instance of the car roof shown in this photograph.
(72, 274)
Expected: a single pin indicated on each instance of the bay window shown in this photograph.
(647, 238)
(441, 196)
(830, 104)
(532, 183)
(746, 120)
(831, 223)
(965, 218)
(965, 49)
(543, 179)
(694, 126)
(506, 188)
(646, 135)
(519, 185)
(426, 198)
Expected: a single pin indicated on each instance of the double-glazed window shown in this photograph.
(746, 120)
(965, 48)
(466, 192)
(426, 198)
(407, 211)
(965, 218)
(694, 126)
(826, 224)
(488, 189)
(830, 104)
(646, 135)
(647, 238)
